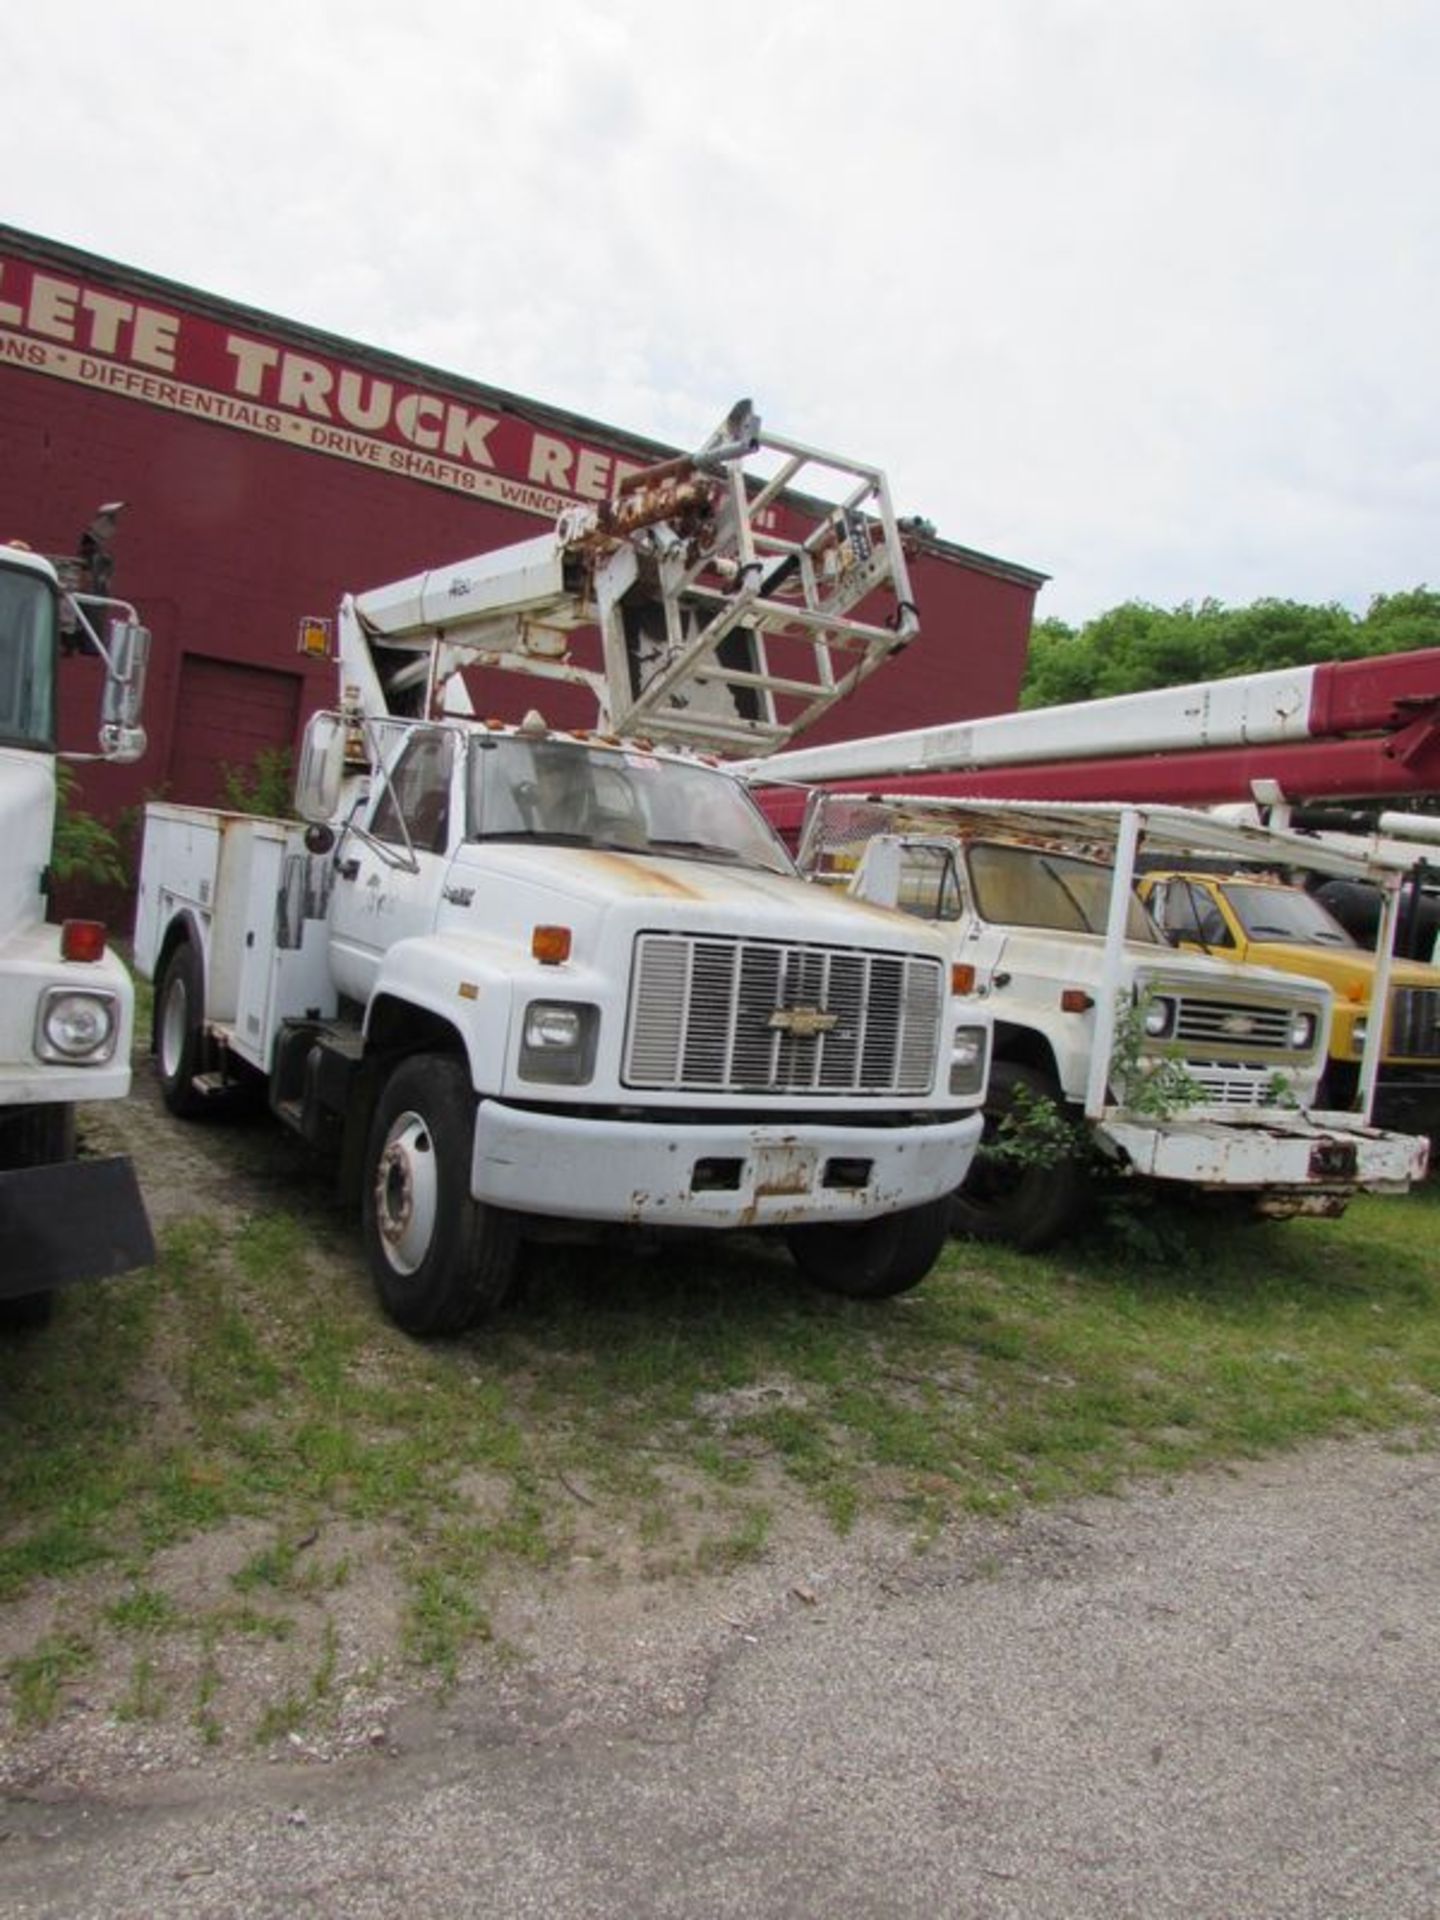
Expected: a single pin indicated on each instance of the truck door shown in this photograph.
(390, 868)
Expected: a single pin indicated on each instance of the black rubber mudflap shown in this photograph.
(78, 1220)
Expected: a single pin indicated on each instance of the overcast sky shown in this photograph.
(1141, 293)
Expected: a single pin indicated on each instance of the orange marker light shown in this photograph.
(962, 977)
(551, 945)
(1076, 1000)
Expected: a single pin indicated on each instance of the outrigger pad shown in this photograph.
(75, 1220)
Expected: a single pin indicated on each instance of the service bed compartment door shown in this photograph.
(257, 956)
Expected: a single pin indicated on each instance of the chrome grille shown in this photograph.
(1222, 1089)
(701, 1010)
(1415, 1023)
(1230, 1026)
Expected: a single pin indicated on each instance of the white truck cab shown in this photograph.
(66, 1002)
(1176, 1066)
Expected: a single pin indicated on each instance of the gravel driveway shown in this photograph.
(1217, 1700)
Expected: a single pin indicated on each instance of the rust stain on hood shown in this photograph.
(641, 877)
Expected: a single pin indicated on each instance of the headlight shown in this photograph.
(1302, 1031)
(77, 1028)
(1159, 1018)
(967, 1060)
(557, 1045)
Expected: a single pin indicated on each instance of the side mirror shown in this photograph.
(127, 662)
(322, 769)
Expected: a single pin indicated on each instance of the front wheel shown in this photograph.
(872, 1259)
(440, 1258)
(1024, 1194)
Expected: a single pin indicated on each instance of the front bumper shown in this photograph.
(650, 1173)
(1331, 1154)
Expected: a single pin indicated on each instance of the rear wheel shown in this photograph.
(180, 1031)
(872, 1259)
(1026, 1203)
(440, 1258)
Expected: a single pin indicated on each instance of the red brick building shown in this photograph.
(267, 468)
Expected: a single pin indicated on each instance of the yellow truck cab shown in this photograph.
(1267, 922)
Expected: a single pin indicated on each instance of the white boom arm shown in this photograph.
(1250, 709)
(728, 608)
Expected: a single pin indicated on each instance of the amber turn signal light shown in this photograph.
(550, 945)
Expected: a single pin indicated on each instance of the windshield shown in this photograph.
(27, 660)
(1029, 887)
(618, 798)
(1287, 914)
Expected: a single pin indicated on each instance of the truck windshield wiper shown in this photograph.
(707, 847)
(544, 835)
(1069, 893)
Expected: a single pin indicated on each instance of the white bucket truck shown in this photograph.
(524, 981)
(66, 1002)
(1163, 1065)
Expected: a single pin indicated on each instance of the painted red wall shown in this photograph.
(232, 533)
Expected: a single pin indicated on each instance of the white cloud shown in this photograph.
(1138, 294)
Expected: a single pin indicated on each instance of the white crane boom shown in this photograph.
(731, 612)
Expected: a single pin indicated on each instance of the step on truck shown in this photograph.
(1157, 1064)
(66, 1002)
(524, 983)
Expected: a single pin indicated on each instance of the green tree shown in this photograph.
(1135, 646)
(84, 848)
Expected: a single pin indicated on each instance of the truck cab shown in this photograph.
(1261, 920)
(66, 1002)
(1112, 1049)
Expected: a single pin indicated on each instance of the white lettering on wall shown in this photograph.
(407, 419)
(467, 435)
(252, 361)
(306, 384)
(550, 463)
(301, 398)
(353, 407)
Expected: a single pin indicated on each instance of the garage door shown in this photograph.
(225, 716)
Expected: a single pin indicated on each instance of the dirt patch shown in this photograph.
(246, 1639)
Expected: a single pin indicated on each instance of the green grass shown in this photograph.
(250, 1382)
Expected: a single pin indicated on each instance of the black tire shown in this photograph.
(440, 1259)
(180, 1031)
(1025, 1206)
(36, 1137)
(872, 1259)
(26, 1312)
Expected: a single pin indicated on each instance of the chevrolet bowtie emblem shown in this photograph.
(803, 1021)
